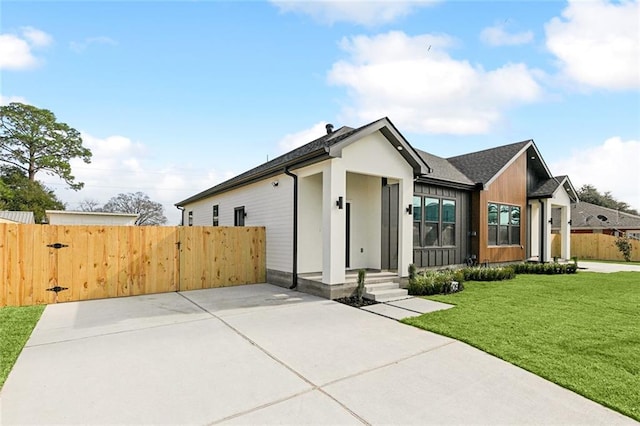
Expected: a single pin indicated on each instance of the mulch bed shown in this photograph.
(353, 301)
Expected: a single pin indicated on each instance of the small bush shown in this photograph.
(488, 274)
(436, 282)
(360, 290)
(624, 246)
(545, 268)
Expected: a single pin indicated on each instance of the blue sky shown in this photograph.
(173, 97)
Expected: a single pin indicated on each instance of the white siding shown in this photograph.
(265, 205)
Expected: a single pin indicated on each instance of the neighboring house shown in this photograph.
(365, 198)
(7, 216)
(66, 217)
(587, 218)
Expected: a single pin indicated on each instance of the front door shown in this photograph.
(390, 206)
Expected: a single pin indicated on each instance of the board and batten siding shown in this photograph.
(428, 257)
(265, 205)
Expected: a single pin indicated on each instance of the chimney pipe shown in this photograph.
(329, 128)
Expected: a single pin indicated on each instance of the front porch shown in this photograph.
(375, 281)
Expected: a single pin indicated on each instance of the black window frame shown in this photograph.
(430, 224)
(216, 214)
(239, 214)
(190, 218)
(503, 226)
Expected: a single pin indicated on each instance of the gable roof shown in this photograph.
(326, 146)
(548, 187)
(443, 170)
(17, 216)
(483, 166)
(591, 216)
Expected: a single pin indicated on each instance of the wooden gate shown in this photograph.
(94, 262)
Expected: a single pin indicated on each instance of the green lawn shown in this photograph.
(581, 331)
(16, 325)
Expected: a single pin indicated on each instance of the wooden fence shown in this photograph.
(595, 246)
(112, 261)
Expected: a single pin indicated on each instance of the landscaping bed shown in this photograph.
(353, 301)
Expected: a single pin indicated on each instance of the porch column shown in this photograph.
(546, 231)
(565, 233)
(534, 230)
(405, 228)
(334, 185)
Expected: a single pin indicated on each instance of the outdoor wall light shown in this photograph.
(275, 183)
(409, 209)
(339, 203)
(569, 222)
(551, 221)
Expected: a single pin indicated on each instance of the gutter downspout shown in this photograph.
(542, 230)
(181, 215)
(295, 227)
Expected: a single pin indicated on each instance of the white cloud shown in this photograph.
(294, 140)
(81, 46)
(597, 43)
(612, 166)
(36, 37)
(497, 35)
(363, 12)
(414, 81)
(6, 100)
(16, 51)
(120, 165)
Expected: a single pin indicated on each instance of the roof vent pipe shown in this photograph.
(329, 128)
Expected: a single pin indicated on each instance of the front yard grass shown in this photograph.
(580, 331)
(16, 325)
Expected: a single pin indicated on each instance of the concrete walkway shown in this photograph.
(603, 267)
(260, 354)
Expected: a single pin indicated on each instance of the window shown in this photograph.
(434, 222)
(190, 218)
(503, 224)
(216, 210)
(238, 216)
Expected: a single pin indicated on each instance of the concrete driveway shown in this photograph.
(260, 354)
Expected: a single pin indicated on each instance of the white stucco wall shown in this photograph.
(310, 223)
(266, 205)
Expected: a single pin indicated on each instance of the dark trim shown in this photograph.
(294, 284)
(542, 231)
(443, 183)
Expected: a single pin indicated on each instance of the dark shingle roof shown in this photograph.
(585, 216)
(545, 189)
(309, 150)
(441, 169)
(482, 166)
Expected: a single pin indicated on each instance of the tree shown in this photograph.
(32, 140)
(90, 205)
(21, 194)
(589, 193)
(149, 212)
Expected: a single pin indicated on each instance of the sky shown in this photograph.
(175, 97)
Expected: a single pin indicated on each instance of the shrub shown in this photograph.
(545, 268)
(360, 290)
(436, 282)
(625, 247)
(488, 274)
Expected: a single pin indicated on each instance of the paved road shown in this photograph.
(261, 354)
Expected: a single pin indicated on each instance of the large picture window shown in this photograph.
(434, 222)
(503, 224)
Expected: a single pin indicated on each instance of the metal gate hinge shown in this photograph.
(57, 245)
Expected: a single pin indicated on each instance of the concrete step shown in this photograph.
(387, 295)
(372, 287)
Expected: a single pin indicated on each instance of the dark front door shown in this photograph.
(390, 206)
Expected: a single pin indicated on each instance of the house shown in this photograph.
(68, 217)
(365, 198)
(7, 216)
(587, 218)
